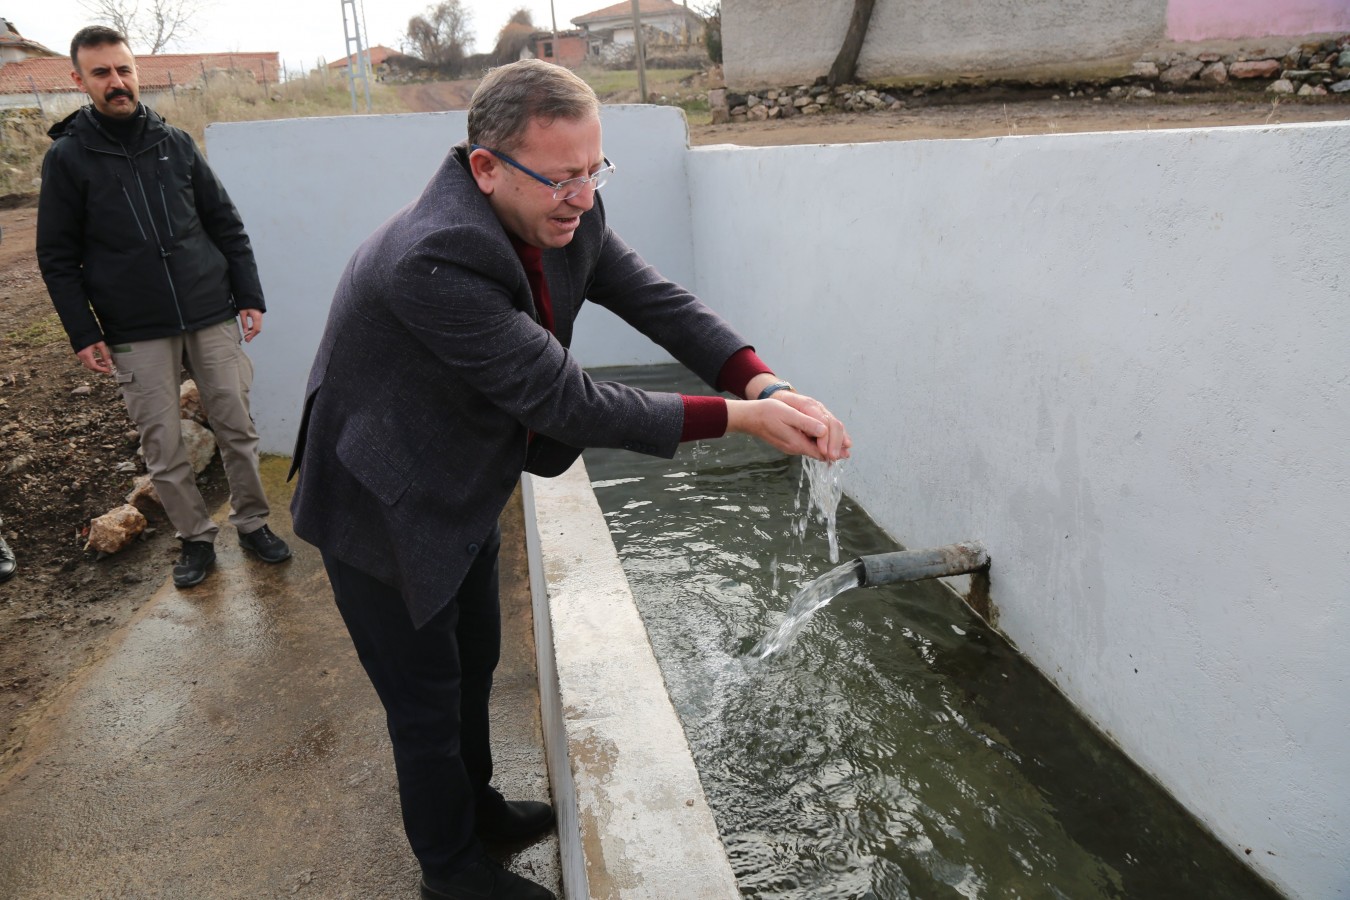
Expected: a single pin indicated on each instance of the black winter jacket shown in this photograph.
(147, 241)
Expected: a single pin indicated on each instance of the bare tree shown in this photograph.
(846, 63)
(161, 24)
(514, 37)
(441, 35)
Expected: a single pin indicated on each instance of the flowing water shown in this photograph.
(818, 592)
(899, 748)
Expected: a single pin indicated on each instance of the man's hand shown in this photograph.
(250, 320)
(801, 428)
(835, 442)
(96, 358)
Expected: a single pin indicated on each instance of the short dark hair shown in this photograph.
(510, 96)
(94, 36)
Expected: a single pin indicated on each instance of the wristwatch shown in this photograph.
(773, 389)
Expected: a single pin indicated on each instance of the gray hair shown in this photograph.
(510, 97)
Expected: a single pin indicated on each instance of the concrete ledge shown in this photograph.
(633, 821)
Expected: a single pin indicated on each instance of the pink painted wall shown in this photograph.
(1199, 20)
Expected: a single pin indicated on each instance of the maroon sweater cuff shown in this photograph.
(704, 418)
(737, 371)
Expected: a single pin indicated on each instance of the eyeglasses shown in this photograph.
(562, 190)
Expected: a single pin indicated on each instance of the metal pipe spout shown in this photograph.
(916, 565)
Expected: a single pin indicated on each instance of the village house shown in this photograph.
(609, 31)
(35, 77)
(377, 55)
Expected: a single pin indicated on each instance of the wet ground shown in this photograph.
(229, 745)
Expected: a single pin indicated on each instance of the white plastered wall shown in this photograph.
(1120, 361)
(1117, 359)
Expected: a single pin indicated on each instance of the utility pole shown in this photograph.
(358, 60)
(641, 54)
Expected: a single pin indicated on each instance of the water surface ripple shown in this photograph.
(899, 748)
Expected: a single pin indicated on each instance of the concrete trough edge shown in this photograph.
(633, 821)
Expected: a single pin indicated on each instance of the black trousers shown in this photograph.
(434, 682)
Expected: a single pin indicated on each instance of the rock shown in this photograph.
(1301, 74)
(720, 115)
(115, 529)
(1182, 72)
(1343, 61)
(1209, 57)
(788, 110)
(1283, 86)
(775, 112)
(811, 109)
(83, 390)
(190, 402)
(1214, 73)
(1256, 68)
(738, 111)
(1141, 93)
(201, 445)
(753, 102)
(1145, 69)
(758, 113)
(717, 98)
(144, 497)
(1305, 91)
(1341, 87)
(125, 468)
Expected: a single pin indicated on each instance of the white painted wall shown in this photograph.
(310, 190)
(1117, 359)
(1120, 361)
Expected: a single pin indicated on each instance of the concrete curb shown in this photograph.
(633, 821)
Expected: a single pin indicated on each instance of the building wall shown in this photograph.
(776, 42)
(1117, 359)
(1200, 20)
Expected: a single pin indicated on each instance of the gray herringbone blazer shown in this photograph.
(433, 369)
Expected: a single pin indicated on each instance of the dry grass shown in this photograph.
(224, 99)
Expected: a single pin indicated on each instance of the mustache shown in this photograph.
(118, 92)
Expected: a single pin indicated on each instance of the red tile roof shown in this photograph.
(157, 73)
(378, 54)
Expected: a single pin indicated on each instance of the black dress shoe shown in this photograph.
(265, 545)
(8, 564)
(484, 880)
(192, 565)
(512, 820)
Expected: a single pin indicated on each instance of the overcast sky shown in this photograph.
(302, 31)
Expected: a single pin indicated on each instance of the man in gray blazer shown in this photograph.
(444, 373)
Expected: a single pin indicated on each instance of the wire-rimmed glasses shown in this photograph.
(562, 190)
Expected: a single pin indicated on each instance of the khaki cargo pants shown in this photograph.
(148, 372)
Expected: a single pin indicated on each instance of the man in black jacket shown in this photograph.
(148, 264)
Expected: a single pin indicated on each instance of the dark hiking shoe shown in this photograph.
(265, 545)
(192, 565)
(484, 880)
(8, 564)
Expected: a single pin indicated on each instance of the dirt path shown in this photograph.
(998, 119)
(436, 96)
(67, 454)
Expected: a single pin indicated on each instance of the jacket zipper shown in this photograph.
(145, 199)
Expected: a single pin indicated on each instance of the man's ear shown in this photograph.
(79, 81)
(485, 169)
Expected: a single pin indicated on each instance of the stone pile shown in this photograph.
(1308, 70)
(1311, 69)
